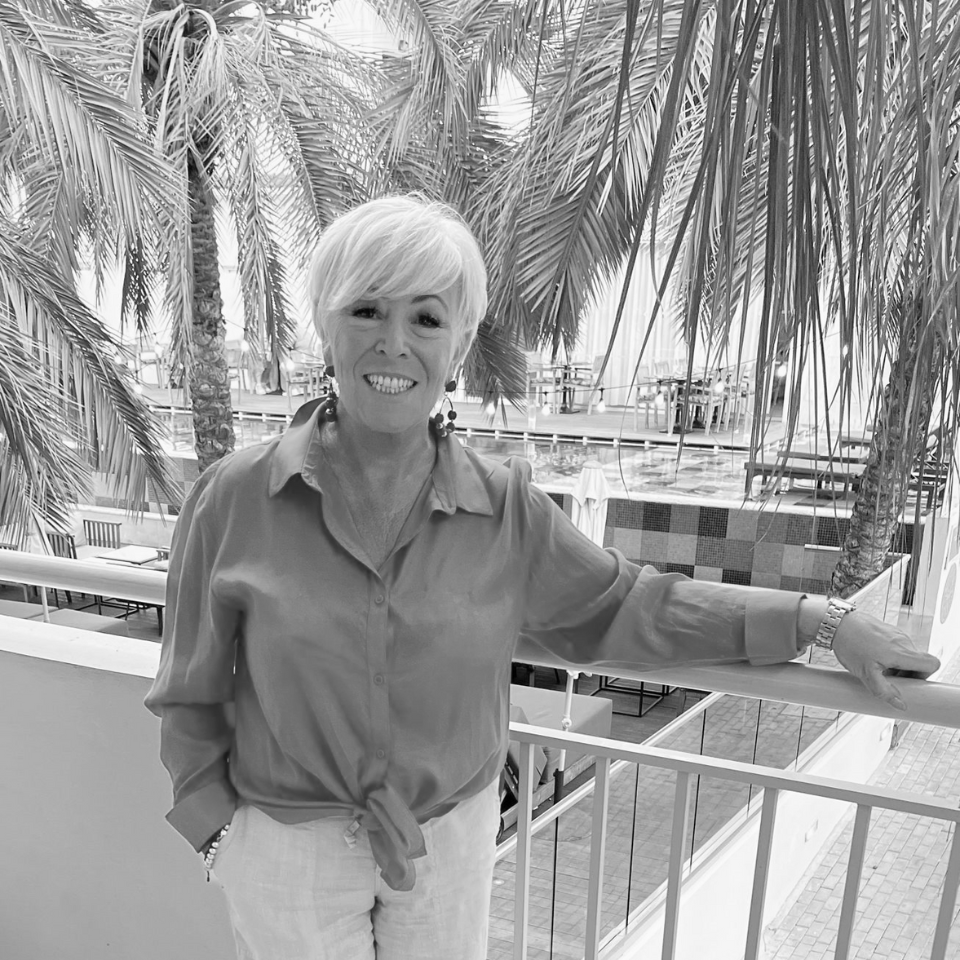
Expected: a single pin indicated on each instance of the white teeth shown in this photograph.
(388, 384)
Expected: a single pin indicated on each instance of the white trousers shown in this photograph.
(302, 892)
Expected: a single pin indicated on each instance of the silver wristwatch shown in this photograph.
(837, 609)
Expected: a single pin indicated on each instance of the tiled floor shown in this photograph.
(903, 870)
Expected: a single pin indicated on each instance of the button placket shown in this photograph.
(379, 645)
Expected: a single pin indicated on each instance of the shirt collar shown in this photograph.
(459, 483)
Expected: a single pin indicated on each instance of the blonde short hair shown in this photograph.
(395, 247)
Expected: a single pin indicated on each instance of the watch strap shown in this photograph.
(837, 609)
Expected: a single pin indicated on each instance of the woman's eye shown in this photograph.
(427, 320)
(365, 313)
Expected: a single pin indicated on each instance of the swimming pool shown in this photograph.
(634, 471)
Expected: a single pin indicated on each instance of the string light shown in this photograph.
(781, 371)
(601, 406)
(490, 409)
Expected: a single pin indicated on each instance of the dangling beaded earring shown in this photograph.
(330, 412)
(440, 428)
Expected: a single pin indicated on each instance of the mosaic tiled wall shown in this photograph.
(761, 548)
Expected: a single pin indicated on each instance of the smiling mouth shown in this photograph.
(391, 385)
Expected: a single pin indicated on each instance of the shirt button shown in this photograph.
(379, 598)
(378, 679)
(381, 754)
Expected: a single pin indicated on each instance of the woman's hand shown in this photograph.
(873, 650)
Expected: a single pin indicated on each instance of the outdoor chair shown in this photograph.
(646, 393)
(102, 533)
(539, 376)
(741, 402)
(155, 360)
(706, 401)
(106, 534)
(23, 586)
(595, 384)
(62, 545)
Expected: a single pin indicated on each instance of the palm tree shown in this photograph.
(799, 156)
(825, 183)
(257, 114)
(434, 129)
(72, 156)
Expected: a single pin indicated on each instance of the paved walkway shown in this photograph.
(903, 871)
(638, 837)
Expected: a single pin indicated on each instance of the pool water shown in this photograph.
(699, 473)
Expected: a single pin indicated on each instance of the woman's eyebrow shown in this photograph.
(429, 296)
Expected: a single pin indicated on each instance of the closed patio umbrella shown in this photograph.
(589, 514)
(590, 497)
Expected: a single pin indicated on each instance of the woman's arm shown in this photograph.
(193, 691)
(591, 606)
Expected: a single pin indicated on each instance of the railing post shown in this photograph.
(521, 894)
(948, 899)
(761, 872)
(678, 835)
(851, 889)
(598, 845)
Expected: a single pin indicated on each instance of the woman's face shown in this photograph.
(392, 357)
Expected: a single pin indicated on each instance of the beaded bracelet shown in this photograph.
(211, 853)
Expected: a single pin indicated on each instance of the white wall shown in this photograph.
(90, 869)
(945, 613)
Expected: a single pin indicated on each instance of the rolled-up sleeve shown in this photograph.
(194, 689)
(591, 606)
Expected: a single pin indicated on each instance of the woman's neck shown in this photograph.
(379, 458)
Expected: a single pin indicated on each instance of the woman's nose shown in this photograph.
(393, 337)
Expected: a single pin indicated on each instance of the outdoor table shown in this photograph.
(820, 470)
(566, 378)
(131, 554)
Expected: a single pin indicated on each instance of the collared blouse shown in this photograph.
(297, 677)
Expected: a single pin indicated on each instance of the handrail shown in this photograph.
(118, 580)
(926, 701)
(815, 686)
(739, 772)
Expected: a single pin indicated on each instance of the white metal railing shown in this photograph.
(116, 580)
(926, 702)
(686, 766)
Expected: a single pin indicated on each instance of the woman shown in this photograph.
(343, 606)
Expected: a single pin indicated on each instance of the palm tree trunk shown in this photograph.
(882, 494)
(209, 379)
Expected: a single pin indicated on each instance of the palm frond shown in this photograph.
(94, 135)
(59, 378)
